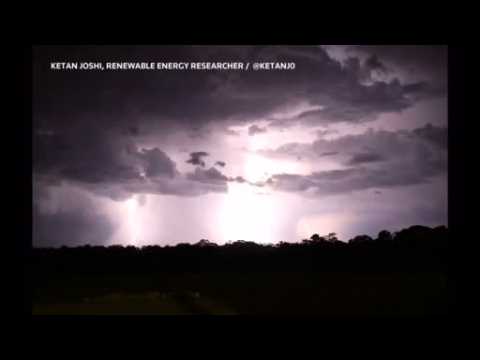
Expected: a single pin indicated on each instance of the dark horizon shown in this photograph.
(325, 238)
(401, 274)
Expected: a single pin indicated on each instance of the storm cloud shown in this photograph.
(365, 157)
(116, 135)
(74, 228)
(211, 96)
(196, 158)
(393, 159)
(254, 129)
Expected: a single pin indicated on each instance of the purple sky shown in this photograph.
(353, 141)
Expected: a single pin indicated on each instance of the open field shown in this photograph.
(404, 275)
(326, 294)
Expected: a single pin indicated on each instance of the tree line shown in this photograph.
(416, 247)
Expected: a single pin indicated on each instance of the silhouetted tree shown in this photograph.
(360, 239)
(331, 237)
(317, 238)
(206, 243)
(415, 246)
(384, 235)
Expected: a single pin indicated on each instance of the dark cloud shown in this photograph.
(373, 63)
(188, 185)
(231, 132)
(385, 144)
(411, 57)
(113, 168)
(415, 88)
(355, 94)
(433, 134)
(211, 175)
(322, 133)
(239, 179)
(114, 133)
(159, 97)
(329, 153)
(351, 179)
(428, 63)
(394, 159)
(87, 124)
(72, 227)
(294, 150)
(157, 163)
(133, 130)
(76, 154)
(365, 157)
(99, 158)
(196, 158)
(365, 71)
(357, 103)
(254, 129)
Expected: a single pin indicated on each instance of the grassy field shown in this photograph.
(151, 303)
(325, 294)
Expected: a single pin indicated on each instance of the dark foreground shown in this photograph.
(279, 293)
(369, 278)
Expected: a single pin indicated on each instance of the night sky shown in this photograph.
(352, 141)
